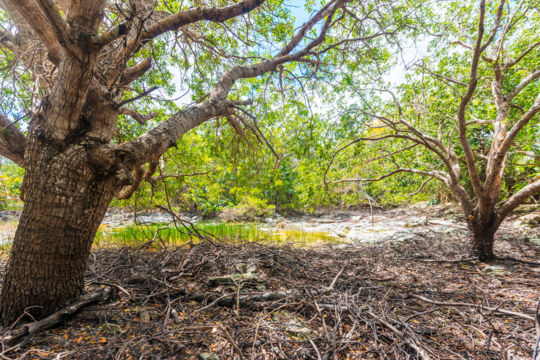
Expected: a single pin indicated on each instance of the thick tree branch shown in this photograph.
(187, 17)
(136, 71)
(59, 26)
(479, 122)
(517, 199)
(35, 20)
(190, 16)
(110, 35)
(12, 141)
(462, 125)
(158, 140)
(514, 131)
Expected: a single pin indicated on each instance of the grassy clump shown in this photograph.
(168, 234)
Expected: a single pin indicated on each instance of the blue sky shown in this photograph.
(299, 12)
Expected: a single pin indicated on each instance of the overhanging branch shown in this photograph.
(517, 199)
(12, 141)
(32, 16)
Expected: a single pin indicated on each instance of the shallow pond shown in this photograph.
(171, 234)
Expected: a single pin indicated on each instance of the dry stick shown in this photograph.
(537, 325)
(231, 341)
(214, 302)
(316, 349)
(409, 342)
(57, 317)
(447, 260)
(506, 312)
(225, 300)
(238, 288)
(255, 340)
(120, 288)
(330, 289)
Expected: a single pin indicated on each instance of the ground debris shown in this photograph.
(358, 302)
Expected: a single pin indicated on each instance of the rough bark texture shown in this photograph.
(483, 237)
(65, 201)
(483, 245)
(73, 171)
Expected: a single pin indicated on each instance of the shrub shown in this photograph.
(248, 209)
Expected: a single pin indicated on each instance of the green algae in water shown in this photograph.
(167, 234)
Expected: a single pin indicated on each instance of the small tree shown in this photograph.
(460, 122)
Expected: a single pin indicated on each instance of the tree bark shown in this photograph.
(65, 201)
(482, 241)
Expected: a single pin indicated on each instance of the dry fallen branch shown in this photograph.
(491, 309)
(56, 318)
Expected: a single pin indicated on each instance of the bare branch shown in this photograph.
(244, 72)
(462, 126)
(111, 35)
(523, 54)
(12, 141)
(140, 118)
(479, 122)
(529, 153)
(136, 71)
(495, 26)
(421, 188)
(445, 79)
(439, 175)
(526, 81)
(514, 131)
(141, 95)
(191, 16)
(517, 199)
(154, 179)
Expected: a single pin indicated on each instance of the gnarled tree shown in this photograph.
(75, 63)
(466, 110)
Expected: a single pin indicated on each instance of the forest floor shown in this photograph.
(419, 298)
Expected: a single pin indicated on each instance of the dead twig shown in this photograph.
(501, 311)
(409, 342)
(229, 338)
(537, 325)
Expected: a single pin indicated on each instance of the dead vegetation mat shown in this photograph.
(385, 301)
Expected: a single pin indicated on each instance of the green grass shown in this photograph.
(219, 232)
(167, 234)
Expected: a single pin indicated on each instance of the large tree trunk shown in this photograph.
(483, 239)
(65, 201)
